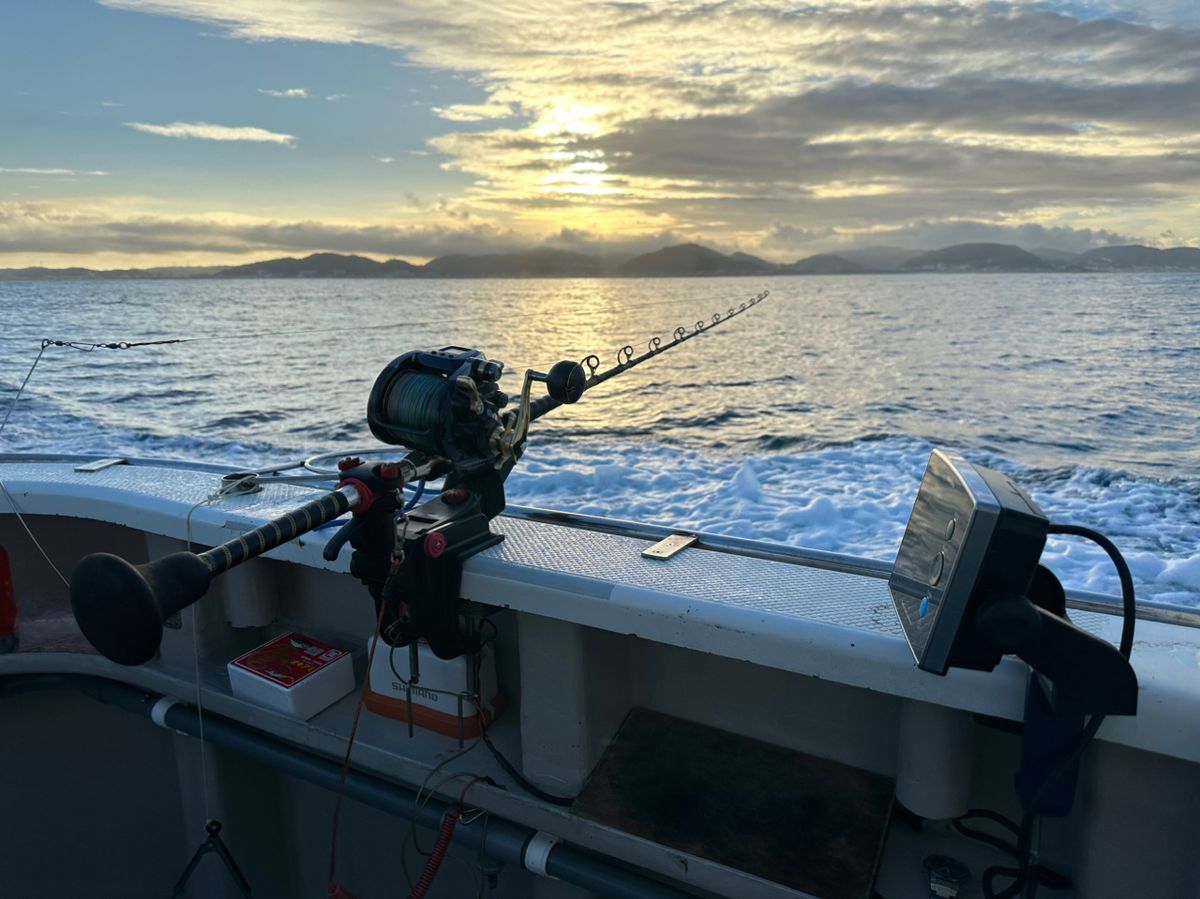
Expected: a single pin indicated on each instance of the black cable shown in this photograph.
(984, 837)
(1048, 877)
(1023, 882)
(508, 767)
(484, 641)
(516, 775)
(1128, 601)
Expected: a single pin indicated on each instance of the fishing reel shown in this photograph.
(447, 404)
(446, 407)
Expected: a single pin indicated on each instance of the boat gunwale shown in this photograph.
(1083, 600)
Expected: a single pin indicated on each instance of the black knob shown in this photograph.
(566, 381)
(121, 607)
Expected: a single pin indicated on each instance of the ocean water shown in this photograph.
(806, 421)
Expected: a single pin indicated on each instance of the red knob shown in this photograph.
(389, 471)
(435, 545)
(349, 462)
(455, 496)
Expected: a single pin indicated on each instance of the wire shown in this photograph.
(29, 374)
(1128, 601)
(494, 635)
(17, 511)
(362, 695)
(226, 489)
(1052, 879)
(423, 798)
(3, 489)
(516, 775)
(475, 700)
(411, 504)
(88, 346)
(1025, 879)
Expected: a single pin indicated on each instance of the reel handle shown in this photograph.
(121, 607)
(566, 381)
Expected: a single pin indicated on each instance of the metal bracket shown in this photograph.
(669, 546)
(100, 465)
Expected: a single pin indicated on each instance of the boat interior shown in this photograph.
(734, 720)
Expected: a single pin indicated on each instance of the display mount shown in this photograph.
(968, 589)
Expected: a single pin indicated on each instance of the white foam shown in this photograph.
(1182, 573)
(856, 499)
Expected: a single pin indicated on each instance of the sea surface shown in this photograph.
(807, 421)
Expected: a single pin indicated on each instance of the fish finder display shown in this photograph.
(971, 530)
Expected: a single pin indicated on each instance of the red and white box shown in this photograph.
(293, 674)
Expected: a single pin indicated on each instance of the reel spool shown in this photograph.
(439, 402)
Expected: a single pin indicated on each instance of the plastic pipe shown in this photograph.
(503, 840)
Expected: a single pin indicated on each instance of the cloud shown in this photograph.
(46, 227)
(297, 93)
(466, 112)
(782, 236)
(581, 240)
(386, 160)
(34, 171)
(206, 131)
(728, 118)
(793, 241)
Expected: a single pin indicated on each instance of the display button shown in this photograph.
(935, 568)
(923, 608)
(950, 526)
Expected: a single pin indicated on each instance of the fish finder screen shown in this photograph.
(939, 557)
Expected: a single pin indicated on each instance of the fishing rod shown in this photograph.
(446, 408)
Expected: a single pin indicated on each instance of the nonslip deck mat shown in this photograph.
(808, 823)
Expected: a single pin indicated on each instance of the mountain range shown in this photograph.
(683, 260)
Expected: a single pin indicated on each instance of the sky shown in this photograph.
(177, 132)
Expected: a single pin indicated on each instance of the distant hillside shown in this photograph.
(753, 260)
(826, 264)
(541, 263)
(978, 257)
(1058, 257)
(684, 260)
(1139, 258)
(39, 273)
(692, 259)
(322, 265)
(881, 259)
